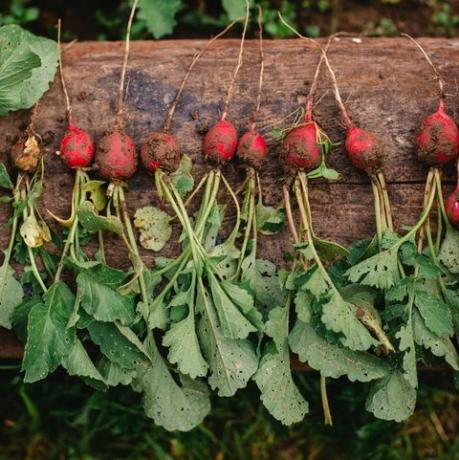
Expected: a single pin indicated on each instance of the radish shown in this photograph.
(400, 271)
(212, 315)
(340, 311)
(452, 208)
(161, 150)
(116, 157)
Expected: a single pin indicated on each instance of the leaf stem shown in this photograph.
(328, 420)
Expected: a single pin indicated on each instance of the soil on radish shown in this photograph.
(364, 149)
(77, 148)
(300, 150)
(160, 150)
(251, 149)
(116, 157)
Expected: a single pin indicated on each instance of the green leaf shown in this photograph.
(184, 349)
(303, 306)
(17, 61)
(270, 221)
(231, 362)
(279, 393)
(155, 228)
(233, 324)
(435, 312)
(182, 177)
(5, 181)
(439, 346)
(115, 375)
(332, 360)
(380, 271)
(78, 363)
(116, 346)
(92, 222)
(313, 281)
(392, 398)
(42, 76)
(339, 316)
(170, 405)
(449, 251)
(159, 15)
(406, 345)
(97, 193)
(235, 9)
(101, 301)
(48, 339)
(11, 294)
(329, 250)
(263, 280)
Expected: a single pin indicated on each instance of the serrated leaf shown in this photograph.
(303, 302)
(159, 15)
(182, 177)
(48, 339)
(332, 360)
(115, 375)
(449, 251)
(184, 348)
(263, 280)
(155, 228)
(5, 181)
(231, 362)
(232, 322)
(392, 398)
(339, 316)
(313, 281)
(406, 345)
(11, 294)
(103, 302)
(78, 363)
(93, 222)
(439, 346)
(279, 393)
(170, 405)
(116, 346)
(380, 271)
(435, 312)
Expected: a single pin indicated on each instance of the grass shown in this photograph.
(62, 418)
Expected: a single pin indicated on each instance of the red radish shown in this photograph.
(452, 208)
(77, 148)
(161, 150)
(438, 139)
(300, 149)
(116, 156)
(252, 149)
(220, 142)
(364, 150)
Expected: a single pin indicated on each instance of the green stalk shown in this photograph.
(377, 204)
(385, 199)
(14, 228)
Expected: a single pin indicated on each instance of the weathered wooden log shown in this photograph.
(387, 86)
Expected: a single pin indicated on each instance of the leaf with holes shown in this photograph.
(449, 251)
(154, 226)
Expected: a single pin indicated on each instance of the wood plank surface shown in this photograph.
(387, 86)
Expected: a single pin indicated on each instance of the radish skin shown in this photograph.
(452, 208)
(77, 148)
(116, 156)
(252, 149)
(300, 149)
(160, 150)
(364, 149)
(438, 138)
(220, 142)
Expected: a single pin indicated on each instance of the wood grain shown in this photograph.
(387, 85)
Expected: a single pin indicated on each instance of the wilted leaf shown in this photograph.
(5, 180)
(154, 226)
(182, 177)
(269, 220)
(35, 233)
(93, 222)
(97, 194)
